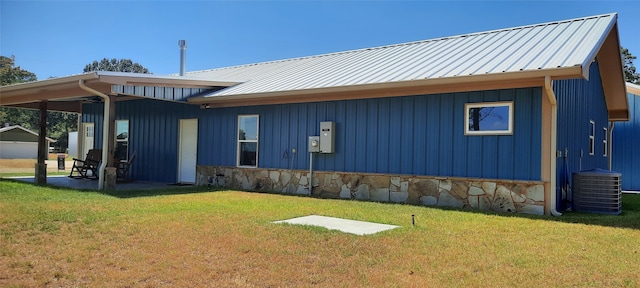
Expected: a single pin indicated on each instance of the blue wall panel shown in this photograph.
(580, 101)
(626, 146)
(415, 135)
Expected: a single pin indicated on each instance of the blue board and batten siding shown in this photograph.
(579, 102)
(626, 146)
(412, 135)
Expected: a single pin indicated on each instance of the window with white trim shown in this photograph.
(248, 128)
(592, 137)
(605, 142)
(122, 140)
(488, 118)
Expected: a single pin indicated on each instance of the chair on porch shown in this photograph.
(123, 167)
(87, 168)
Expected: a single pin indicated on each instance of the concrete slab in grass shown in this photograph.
(344, 225)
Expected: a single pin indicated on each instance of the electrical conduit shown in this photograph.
(105, 131)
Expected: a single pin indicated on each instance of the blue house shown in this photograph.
(626, 141)
(491, 120)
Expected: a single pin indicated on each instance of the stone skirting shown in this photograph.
(484, 194)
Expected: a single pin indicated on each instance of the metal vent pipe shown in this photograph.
(183, 56)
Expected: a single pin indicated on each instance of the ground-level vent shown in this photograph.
(597, 191)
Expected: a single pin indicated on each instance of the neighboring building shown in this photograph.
(17, 142)
(481, 120)
(626, 143)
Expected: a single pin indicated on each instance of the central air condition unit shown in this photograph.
(597, 191)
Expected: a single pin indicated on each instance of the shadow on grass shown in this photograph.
(170, 190)
(158, 190)
(629, 218)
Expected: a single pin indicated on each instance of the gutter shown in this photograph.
(548, 87)
(105, 131)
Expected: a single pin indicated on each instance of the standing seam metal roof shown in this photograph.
(552, 45)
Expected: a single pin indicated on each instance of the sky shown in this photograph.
(58, 38)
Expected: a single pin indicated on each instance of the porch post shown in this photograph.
(110, 172)
(41, 166)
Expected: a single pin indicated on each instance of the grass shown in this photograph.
(194, 237)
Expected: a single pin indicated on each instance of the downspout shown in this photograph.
(610, 144)
(552, 155)
(105, 131)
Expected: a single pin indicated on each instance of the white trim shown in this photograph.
(605, 142)
(257, 140)
(592, 137)
(468, 106)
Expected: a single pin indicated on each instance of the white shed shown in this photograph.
(17, 142)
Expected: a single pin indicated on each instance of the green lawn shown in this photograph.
(194, 237)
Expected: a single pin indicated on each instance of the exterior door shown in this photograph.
(87, 139)
(187, 150)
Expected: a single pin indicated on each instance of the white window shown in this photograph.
(489, 118)
(592, 139)
(248, 140)
(605, 142)
(122, 140)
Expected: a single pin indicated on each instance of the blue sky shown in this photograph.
(58, 38)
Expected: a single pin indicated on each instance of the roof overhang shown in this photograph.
(633, 89)
(612, 75)
(65, 94)
(399, 88)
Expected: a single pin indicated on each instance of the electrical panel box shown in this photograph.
(327, 136)
(314, 144)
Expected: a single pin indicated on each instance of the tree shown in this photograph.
(10, 74)
(630, 74)
(122, 65)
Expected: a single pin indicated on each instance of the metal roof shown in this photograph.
(563, 48)
(9, 128)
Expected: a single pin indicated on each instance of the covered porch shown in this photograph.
(68, 94)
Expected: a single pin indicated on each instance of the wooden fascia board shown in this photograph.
(378, 93)
(612, 75)
(159, 81)
(418, 87)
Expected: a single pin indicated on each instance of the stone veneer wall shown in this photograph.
(483, 194)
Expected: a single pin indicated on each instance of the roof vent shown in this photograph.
(183, 56)
(597, 191)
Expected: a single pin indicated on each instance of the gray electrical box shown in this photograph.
(327, 136)
(314, 144)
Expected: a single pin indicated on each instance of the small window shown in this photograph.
(248, 140)
(605, 142)
(491, 118)
(592, 139)
(122, 140)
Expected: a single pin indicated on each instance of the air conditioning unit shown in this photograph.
(597, 191)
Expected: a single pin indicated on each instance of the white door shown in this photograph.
(187, 150)
(87, 139)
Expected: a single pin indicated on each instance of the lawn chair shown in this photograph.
(123, 168)
(87, 168)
